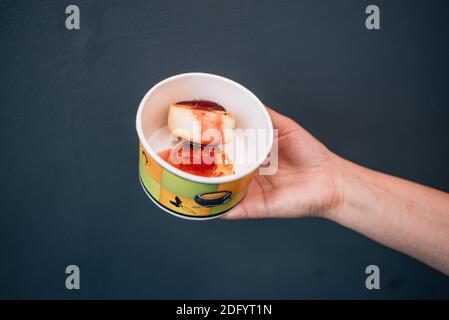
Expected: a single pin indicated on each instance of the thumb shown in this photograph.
(283, 124)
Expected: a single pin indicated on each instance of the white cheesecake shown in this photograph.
(202, 122)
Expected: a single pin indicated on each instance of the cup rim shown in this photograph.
(188, 176)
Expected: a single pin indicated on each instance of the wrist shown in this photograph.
(347, 178)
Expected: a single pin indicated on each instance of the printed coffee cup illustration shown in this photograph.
(202, 139)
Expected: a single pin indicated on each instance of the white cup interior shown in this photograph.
(244, 106)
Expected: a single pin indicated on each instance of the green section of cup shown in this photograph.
(235, 198)
(186, 188)
(150, 184)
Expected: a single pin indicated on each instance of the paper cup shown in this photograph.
(182, 194)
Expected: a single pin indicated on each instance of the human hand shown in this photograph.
(313, 181)
(305, 184)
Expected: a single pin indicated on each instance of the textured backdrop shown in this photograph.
(68, 161)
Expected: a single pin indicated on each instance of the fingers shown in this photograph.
(234, 214)
(284, 125)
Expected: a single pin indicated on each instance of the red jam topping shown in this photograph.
(205, 105)
(190, 158)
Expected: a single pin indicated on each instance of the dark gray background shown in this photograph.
(68, 164)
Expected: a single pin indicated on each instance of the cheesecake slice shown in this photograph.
(205, 161)
(201, 122)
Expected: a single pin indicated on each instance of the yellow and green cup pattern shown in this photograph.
(189, 198)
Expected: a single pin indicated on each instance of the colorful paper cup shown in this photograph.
(177, 192)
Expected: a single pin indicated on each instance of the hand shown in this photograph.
(312, 181)
(305, 183)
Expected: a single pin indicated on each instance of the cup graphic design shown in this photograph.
(192, 196)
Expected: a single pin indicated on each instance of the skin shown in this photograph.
(400, 214)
